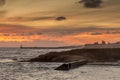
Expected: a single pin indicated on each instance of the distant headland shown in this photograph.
(61, 47)
(95, 45)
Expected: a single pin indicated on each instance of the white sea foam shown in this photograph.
(6, 60)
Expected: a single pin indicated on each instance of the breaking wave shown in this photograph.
(6, 60)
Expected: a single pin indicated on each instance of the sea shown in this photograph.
(12, 69)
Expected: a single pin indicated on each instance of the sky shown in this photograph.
(33, 23)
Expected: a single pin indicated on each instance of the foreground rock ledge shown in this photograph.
(92, 55)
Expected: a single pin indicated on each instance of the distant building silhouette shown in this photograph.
(109, 43)
(103, 45)
(103, 42)
(21, 46)
(96, 43)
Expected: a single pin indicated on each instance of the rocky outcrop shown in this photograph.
(92, 55)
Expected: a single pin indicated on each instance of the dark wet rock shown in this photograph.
(92, 55)
(83, 72)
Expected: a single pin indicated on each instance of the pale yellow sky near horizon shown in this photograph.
(33, 21)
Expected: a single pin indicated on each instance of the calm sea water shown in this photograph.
(10, 69)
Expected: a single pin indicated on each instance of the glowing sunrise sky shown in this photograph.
(33, 23)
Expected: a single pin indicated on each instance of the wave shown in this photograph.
(6, 60)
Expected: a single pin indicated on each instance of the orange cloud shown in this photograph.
(73, 39)
(8, 28)
(68, 36)
(78, 39)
